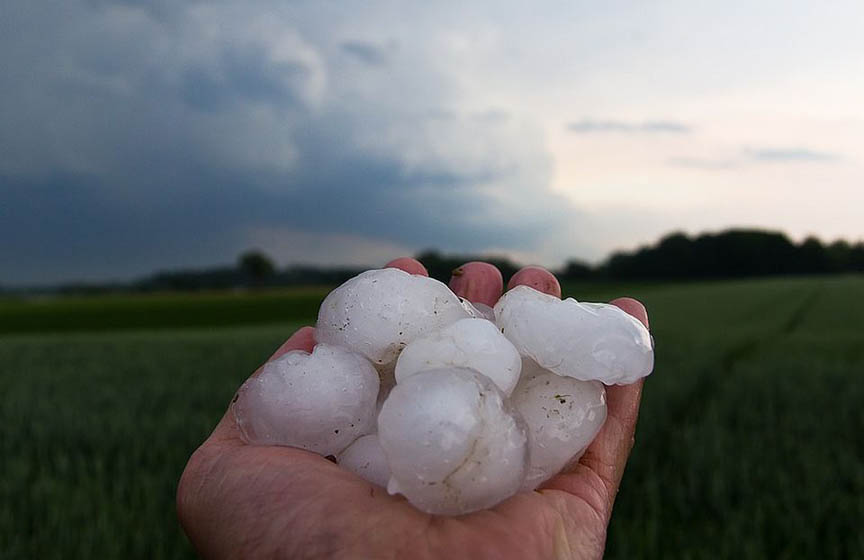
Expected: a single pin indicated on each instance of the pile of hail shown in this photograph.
(453, 405)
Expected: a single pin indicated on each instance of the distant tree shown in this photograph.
(746, 252)
(732, 253)
(813, 258)
(856, 257)
(839, 255)
(312, 275)
(435, 264)
(256, 266)
(575, 270)
(846, 257)
(217, 278)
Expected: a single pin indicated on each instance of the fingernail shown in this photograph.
(409, 265)
(538, 278)
(634, 307)
(478, 282)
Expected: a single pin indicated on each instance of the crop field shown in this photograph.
(750, 442)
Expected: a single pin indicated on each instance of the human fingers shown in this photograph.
(634, 307)
(538, 278)
(409, 265)
(478, 282)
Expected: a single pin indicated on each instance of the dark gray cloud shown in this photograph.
(369, 53)
(748, 157)
(243, 74)
(588, 126)
(71, 226)
(151, 135)
(789, 155)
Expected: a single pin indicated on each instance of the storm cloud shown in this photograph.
(145, 134)
(151, 134)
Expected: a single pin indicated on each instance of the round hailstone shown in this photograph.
(587, 341)
(320, 401)
(366, 459)
(451, 441)
(378, 312)
(562, 416)
(468, 343)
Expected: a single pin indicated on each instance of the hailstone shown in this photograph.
(468, 343)
(452, 442)
(562, 416)
(587, 341)
(457, 406)
(365, 458)
(320, 401)
(378, 312)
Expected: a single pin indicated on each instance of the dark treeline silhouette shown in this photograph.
(728, 254)
(240, 277)
(733, 254)
(253, 270)
(231, 278)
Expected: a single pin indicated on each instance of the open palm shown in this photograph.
(242, 501)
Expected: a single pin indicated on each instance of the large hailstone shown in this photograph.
(378, 312)
(451, 441)
(587, 341)
(366, 458)
(320, 401)
(562, 416)
(468, 343)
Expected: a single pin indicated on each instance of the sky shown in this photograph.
(140, 135)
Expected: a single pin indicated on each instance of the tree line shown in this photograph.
(732, 253)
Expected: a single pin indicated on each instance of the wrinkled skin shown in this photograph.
(241, 501)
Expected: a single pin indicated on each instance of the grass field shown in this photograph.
(749, 444)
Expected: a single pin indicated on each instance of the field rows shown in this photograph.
(748, 444)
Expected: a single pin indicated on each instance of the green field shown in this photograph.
(749, 444)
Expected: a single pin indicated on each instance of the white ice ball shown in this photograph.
(562, 416)
(320, 401)
(468, 343)
(452, 443)
(378, 312)
(587, 341)
(365, 458)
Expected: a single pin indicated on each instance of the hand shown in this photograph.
(242, 501)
